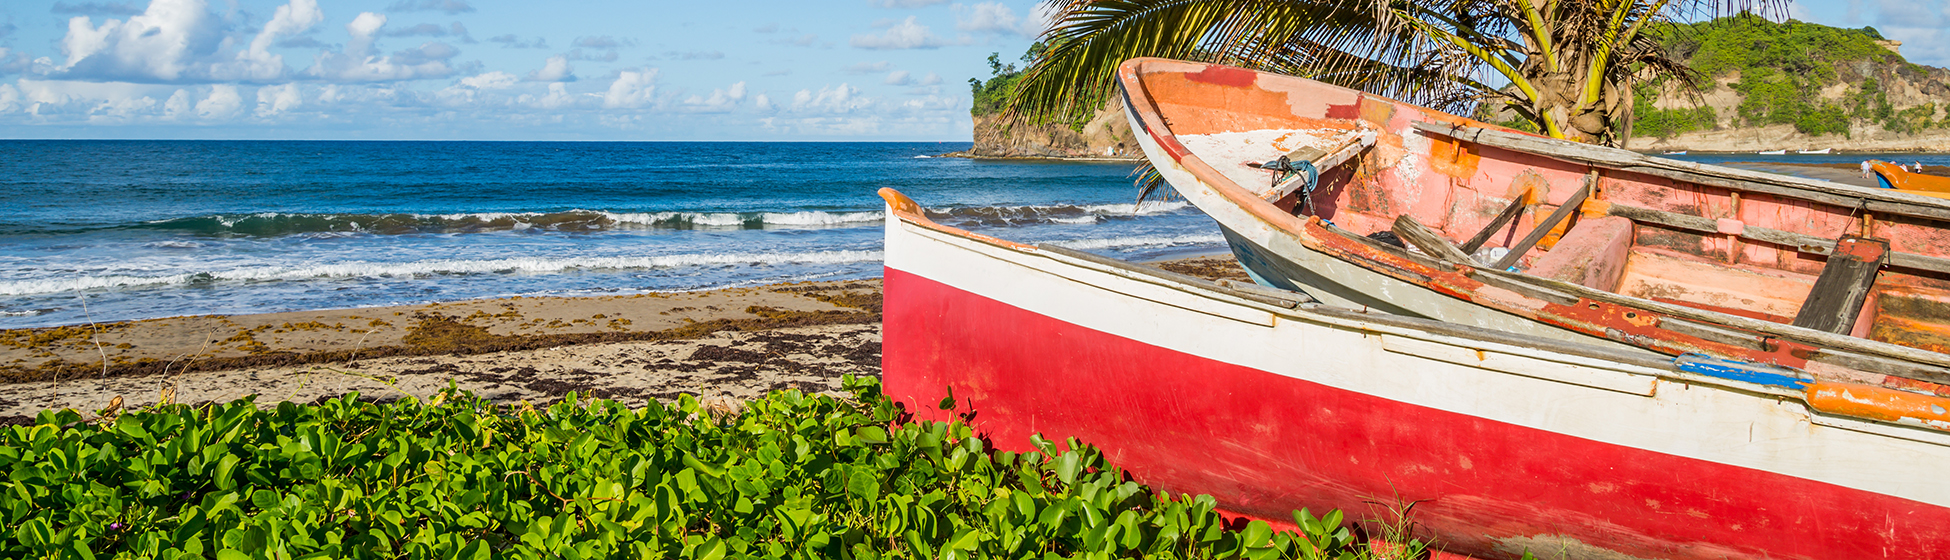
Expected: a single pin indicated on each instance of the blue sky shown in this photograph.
(520, 70)
(503, 70)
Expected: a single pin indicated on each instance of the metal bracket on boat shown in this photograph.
(1312, 161)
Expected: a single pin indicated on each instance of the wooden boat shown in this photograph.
(1815, 152)
(1893, 176)
(1772, 152)
(1506, 443)
(1604, 246)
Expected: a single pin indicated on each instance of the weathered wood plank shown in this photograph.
(1839, 292)
(1550, 223)
(1800, 242)
(1432, 243)
(1887, 201)
(1502, 219)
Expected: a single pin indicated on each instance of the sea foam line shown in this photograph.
(1142, 241)
(362, 269)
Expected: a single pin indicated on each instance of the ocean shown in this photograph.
(119, 230)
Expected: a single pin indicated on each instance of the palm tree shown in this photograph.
(1568, 64)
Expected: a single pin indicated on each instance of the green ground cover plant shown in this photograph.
(455, 476)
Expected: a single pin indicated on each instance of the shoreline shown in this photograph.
(1077, 159)
(731, 343)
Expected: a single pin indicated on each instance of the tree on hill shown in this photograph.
(1569, 64)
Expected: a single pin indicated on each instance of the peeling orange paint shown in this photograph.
(1880, 403)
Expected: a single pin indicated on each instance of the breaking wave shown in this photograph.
(273, 224)
(357, 269)
(1054, 214)
(1143, 241)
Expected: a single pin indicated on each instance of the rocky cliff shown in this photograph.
(1107, 135)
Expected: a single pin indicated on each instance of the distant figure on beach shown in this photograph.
(1866, 174)
(1918, 166)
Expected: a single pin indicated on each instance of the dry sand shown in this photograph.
(737, 343)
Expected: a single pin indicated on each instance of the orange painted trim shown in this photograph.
(900, 206)
(1880, 403)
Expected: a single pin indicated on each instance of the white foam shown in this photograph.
(361, 269)
(821, 218)
(1143, 241)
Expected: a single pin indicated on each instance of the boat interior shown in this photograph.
(1732, 244)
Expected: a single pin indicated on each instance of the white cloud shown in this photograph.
(257, 63)
(558, 98)
(9, 99)
(992, 18)
(222, 103)
(272, 100)
(178, 105)
(491, 80)
(899, 78)
(556, 69)
(360, 63)
(162, 44)
(930, 79)
(903, 35)
(721, 100)
(632, 89)
(842, 99)
(762, 102)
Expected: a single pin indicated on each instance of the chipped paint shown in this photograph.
(1880, 403)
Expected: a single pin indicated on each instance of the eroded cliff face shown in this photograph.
(1919, 95)
(1106, 136)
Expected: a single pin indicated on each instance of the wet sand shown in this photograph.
(736, 343)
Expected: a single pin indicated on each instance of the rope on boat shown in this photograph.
(1287, 167)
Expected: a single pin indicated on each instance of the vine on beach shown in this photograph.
(789, 476)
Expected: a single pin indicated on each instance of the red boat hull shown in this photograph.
(1265, 444)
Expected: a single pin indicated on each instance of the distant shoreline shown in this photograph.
(1095, 159)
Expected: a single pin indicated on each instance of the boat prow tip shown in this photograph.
(900, 203)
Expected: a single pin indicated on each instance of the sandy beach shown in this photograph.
(736, 343)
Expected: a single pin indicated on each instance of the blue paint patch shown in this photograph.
(1737, 370)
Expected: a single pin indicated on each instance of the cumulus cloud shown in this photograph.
(994, 18)
(555, 69)
(222, 103)
(842, 99)
(12, 62)
(899, 78)
(721, 100)
(632, 89)
(162, 44)
(448, 6)
(557, 98)
(272, 100)
(360, 62)
(903, 35)
(178, 106)
(123, 9)
(257, 62)
(490, 80)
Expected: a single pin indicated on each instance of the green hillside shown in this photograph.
(1779, 71)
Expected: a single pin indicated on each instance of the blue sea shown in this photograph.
(116, 230)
